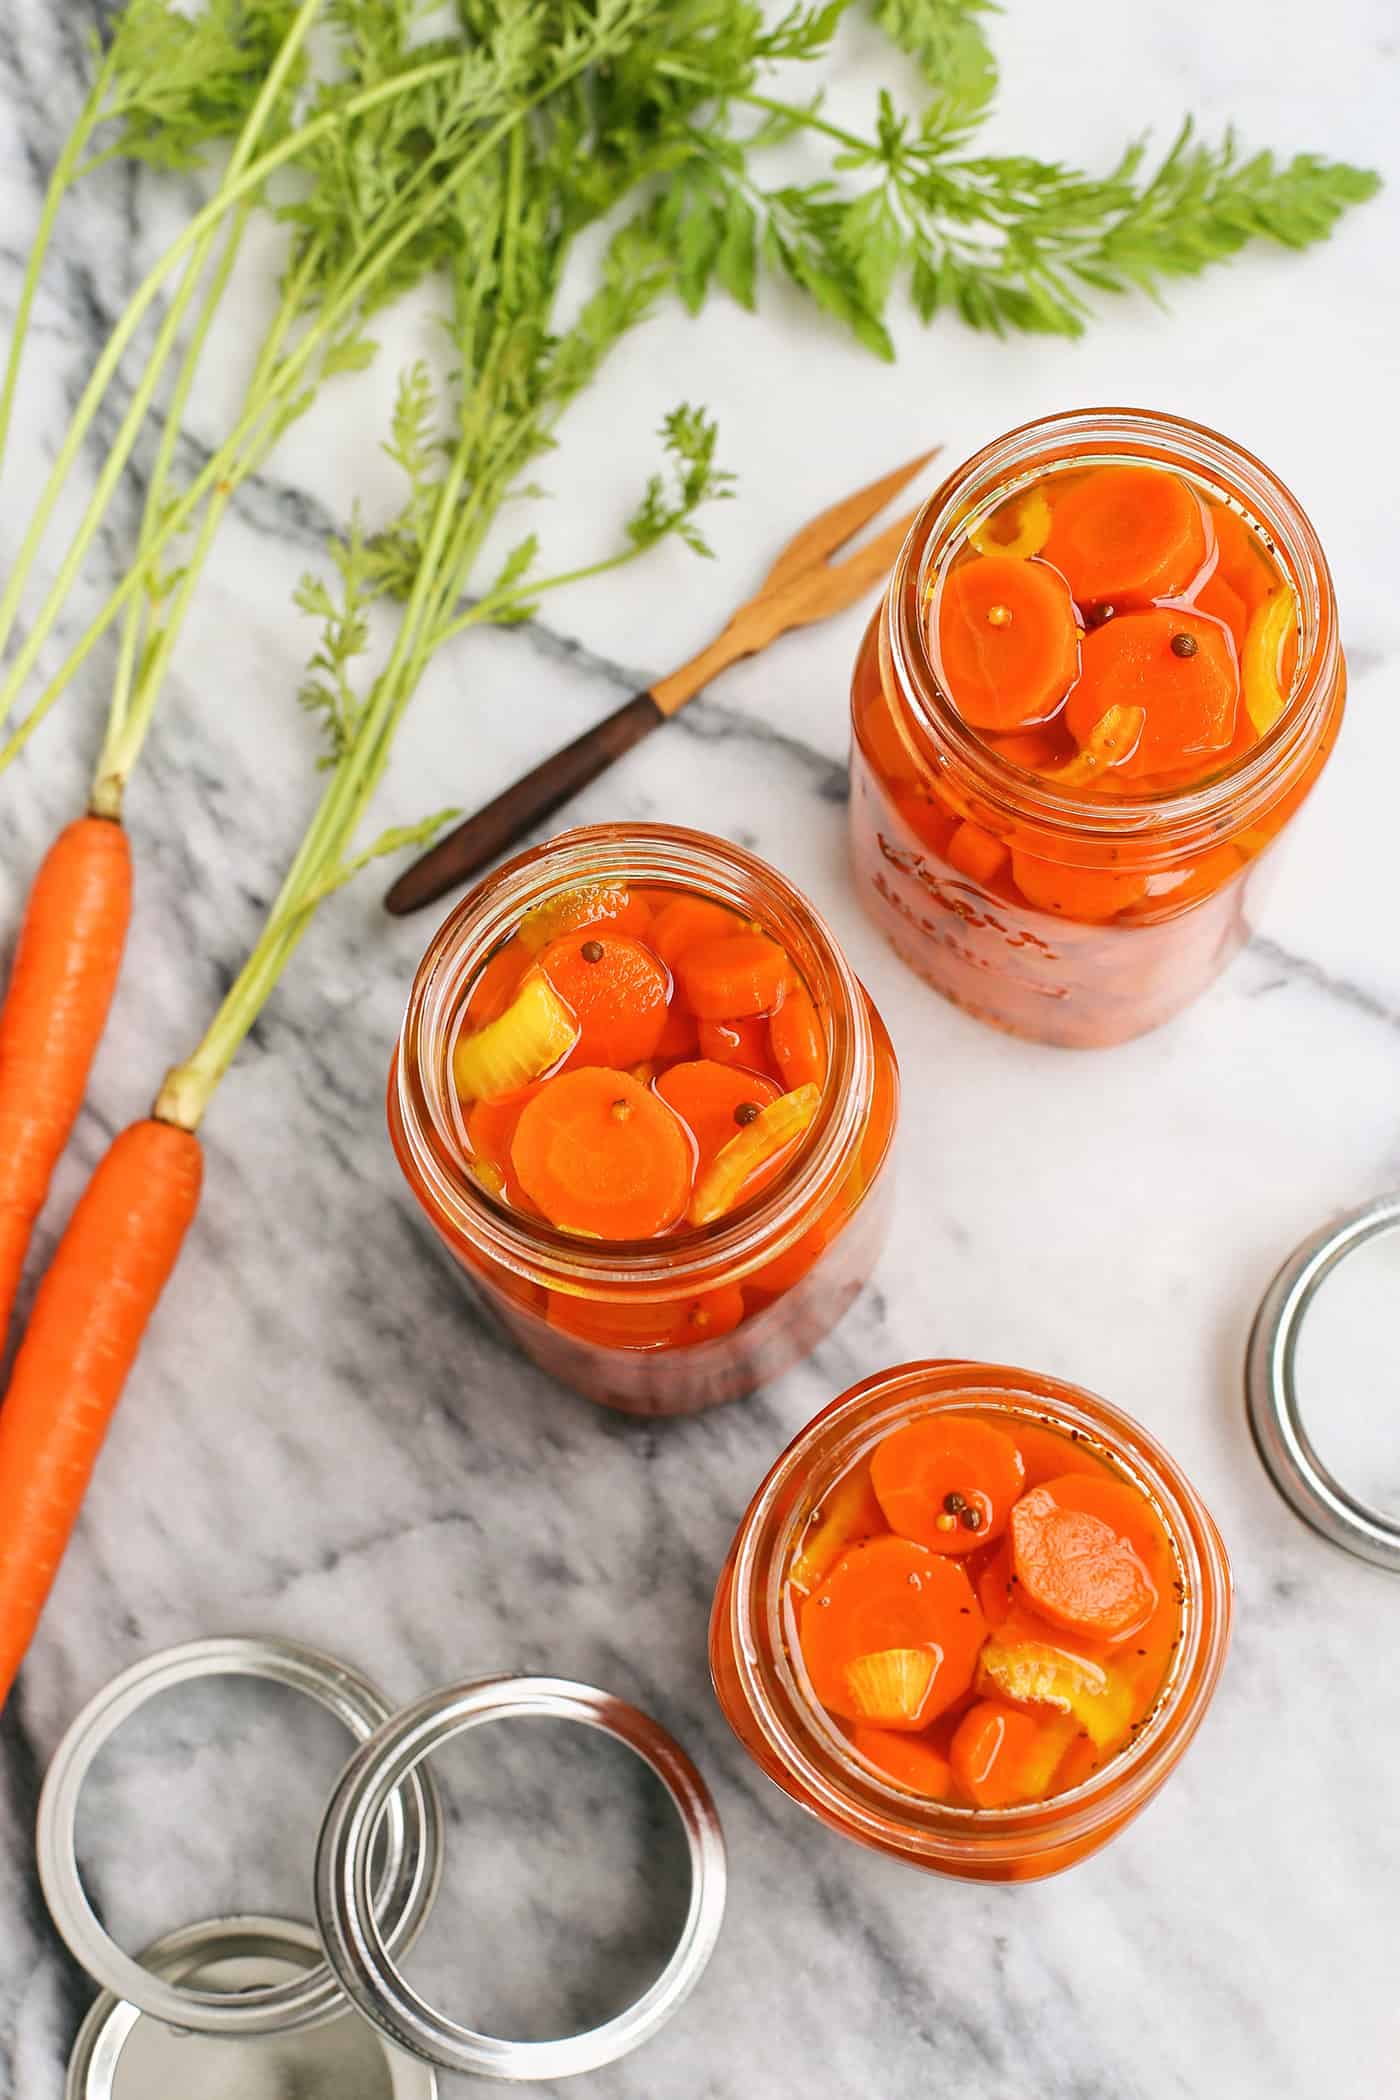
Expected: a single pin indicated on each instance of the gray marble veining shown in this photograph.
(322, 1439)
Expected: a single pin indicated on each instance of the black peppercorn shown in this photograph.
(953, 1502)
(1099, 615)
(971, 1519)
(592, 951)
(746, 1112)
(1184, 645)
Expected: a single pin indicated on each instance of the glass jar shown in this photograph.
(1173, 876)
(799, 1251)
(752, 1639)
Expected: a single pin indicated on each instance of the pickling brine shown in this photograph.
(1104, 679)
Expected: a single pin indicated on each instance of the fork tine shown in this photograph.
(833, 527)
(819, 592)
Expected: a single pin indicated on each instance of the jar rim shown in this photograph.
(803, 1740)
(644, 852)
(1066, 438)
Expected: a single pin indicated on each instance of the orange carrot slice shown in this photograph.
(849, 1514)
(735, 1043)
(663, 1324)
(714, 1102)
(733, 978)
(907, 1759)
(497, 983)
(1127, 535)
(1181, 668)
(617, 991)
(491, 1129)
(1219, 600)
(1031, 749)
(976, 853)
(685, 922)
(601, 1154)
(1242, 564)
(996, 1592)
(1092, 895)
(888, 1594)
(1024, 1663)
(680, 1036)
(797, 1040)
(992, 1755)
(534, 1033)
(948, 1481)
(591, 904)
(763, 1141)
(1008, 637)
(1084, 1548)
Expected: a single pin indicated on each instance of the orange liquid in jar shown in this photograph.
(985, 1608)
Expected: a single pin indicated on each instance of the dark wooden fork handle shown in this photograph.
(502, 823)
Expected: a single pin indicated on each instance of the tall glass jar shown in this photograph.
(762, 1692)
(602, 1317)
(1167, 884)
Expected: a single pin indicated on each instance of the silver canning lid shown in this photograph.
(345, 1913)
(120, 2054)
(402, 1898)
(1300, 1476)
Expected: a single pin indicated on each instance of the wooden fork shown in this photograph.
(804, 585)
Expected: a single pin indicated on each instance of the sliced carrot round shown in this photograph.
(1127, 535)
(948, 1481)
(686, 921)
(1091, 895)
(617, 990)
(996, 1591)
(991, 1752)
(1243, 563)
(891, 1597)
(664, 1324)
(1008, 637)
(1088, 1554)
(1181, 668)
(713, 1101)
(1219, 600)
(603, 1155)
(589, 905)
(906, 1759)
(680, 1036)
(491, 1127)
(976, 853)
(733, 978)
(743, 1043)
(796, 1039)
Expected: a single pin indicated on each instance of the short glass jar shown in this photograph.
(763, 1693)
(1175, 874)
(799, 1251)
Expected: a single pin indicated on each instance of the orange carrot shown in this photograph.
(65, 971)
(618, 992)
(714, 1101)
(1091, 894)
(948, 1481)
(1181, 668)
(891, 1596)
(976, 853)
(733, 978)
(603, 1156)
(1127, 535)
(796, 1039)
(1085, 1549)
(742, 1043)
(1219, 600)
(991, 1754)
(906, 1759)
(1009, 640)
(686, 921)
(88, 1321)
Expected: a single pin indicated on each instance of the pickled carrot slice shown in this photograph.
(891, 1593)
(733, 978)
(734, 1042)
(948, 1481)
(713, 1101)
(589, 904)
(601, 1154)
(889, 1688)
(1019, 527)
(1031, 749)
(706, 1318)
(1084, 1548)
(996, 1591)
(1022, 1663)
(490, 1130)
(685, 922)
(680, 1037)
(1111, 742)
(1127, 535)
(907, 1759)
(1000, 1756)
(1092, 895)
(796, 1039)
(1191, 698)
(610, 1325)
(617, 990)
(498, 983)
(534, 1033)
(1219, 600)
(1265, 695)
(976, 853)
(1243, 563)
(765, 1139)
(1008, 637)
(849, 1514)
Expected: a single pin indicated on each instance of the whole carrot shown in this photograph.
(91, 1311)
(65, 971)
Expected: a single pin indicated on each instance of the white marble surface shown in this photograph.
(321, 1441)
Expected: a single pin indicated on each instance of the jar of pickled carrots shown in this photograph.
(972, 1618)
(1104, 678)
(647, 1106)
